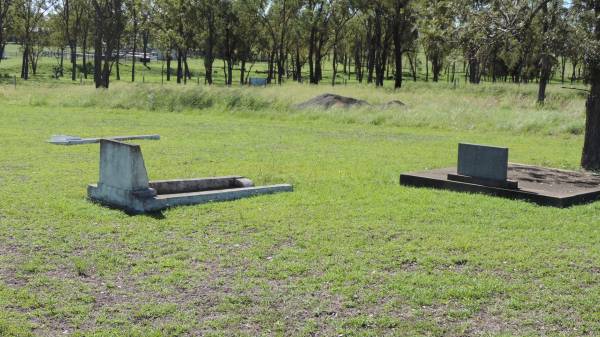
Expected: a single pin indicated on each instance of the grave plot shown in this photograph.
(124, 184)
(485, 169)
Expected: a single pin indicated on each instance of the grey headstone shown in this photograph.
(488, 162)
(122, 166)
(258, 82)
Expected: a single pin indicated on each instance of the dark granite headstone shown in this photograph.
(480, 161)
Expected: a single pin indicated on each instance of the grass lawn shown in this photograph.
(349, 252)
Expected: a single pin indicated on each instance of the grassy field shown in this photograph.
(348, 253)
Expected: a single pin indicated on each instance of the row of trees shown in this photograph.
(509, 40)
(516, 41)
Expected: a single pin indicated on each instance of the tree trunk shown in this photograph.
(134, 51)
(25, 63)
(298, 65)
(229, 72)
(169, 57)
(118, 60)
(62, 61)
(473, 70)
(186, 68)
(98, 55)
(334, 66)
(84, 50)
(179, 66)
(358, 59)
(145, 38)
(563, 69)
(73, 47)
(242, 71)
(545, 62)
(436, 67)
(209, 46)
(311, 52)
(426, 68)
(398, 46)
(375, 38)
(271, 66)
(590, 159)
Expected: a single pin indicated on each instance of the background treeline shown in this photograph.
(516, 41)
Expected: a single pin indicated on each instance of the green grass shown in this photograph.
(349, 252)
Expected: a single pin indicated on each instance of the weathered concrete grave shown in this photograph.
(258, 82)
(485, 169)
(124, 184)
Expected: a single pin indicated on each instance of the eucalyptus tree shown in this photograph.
(208, 12)
(134, 16)
(29, 17)
(5, 6)
(109, 23)
(276, 17)
(72, 13)
(316, 13)
(228, 38)
(551, 14)
(249, 36)
(342, 11)
(437, 31)
(405, 32)
(590, 12)
(177, 30)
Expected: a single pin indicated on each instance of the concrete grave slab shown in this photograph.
(543, 186)
(485, 169)
(124, 184)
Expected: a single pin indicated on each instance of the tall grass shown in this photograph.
(485, 107)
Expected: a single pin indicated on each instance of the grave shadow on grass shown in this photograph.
(157, 215)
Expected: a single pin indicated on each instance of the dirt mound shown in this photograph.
(327, 101)
(392, 105)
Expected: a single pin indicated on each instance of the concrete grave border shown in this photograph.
(124, 184)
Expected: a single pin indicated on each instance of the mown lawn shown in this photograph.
(349, 252)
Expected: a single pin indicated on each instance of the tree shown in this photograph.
(5, 6)
(405, 32)
(30, 14)
(342, 11)
(72, 13)
(590, 158)
(109, 24)
(437, 33)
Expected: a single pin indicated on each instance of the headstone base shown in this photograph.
(508, 184)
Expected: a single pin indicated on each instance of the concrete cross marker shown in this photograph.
(124, 184)
(75, 140)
